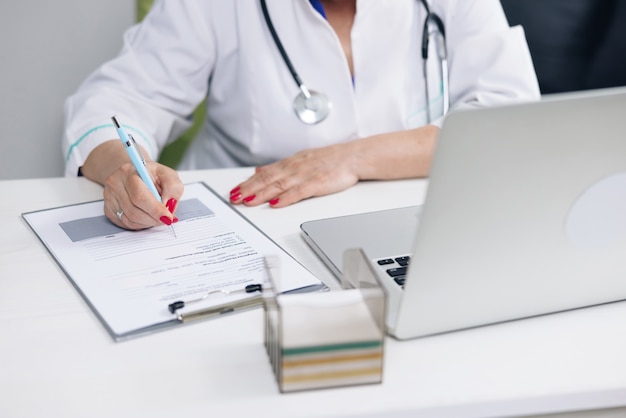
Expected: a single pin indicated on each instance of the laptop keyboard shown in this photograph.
(395, 267)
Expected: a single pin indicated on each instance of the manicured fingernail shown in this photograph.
(273, 202)
(235, 190)
(171, 204)
(175, 219)
(249, 198)
(166, 220)
(235, 197)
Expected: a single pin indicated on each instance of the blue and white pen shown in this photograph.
(136, 157)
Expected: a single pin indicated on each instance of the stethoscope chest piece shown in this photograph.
(311, 108)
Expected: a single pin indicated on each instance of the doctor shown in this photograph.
(344, 101)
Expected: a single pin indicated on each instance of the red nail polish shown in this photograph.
(235, 190)
(249, 198)
(175, 219)
(167, 221)
(273, 202)
(171, 204)
(235, 197)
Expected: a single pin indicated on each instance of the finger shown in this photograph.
(265, 185)
(116, 216)
(251, 185)
(123, 211)
(308, 173)
(316, 184)
(144, 208)
(117, 203)
(122, 219)
(307, 188)
(170, 186)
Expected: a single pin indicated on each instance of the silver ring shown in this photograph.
(119, 214)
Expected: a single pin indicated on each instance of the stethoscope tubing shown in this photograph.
(281, 49)
(312, 116)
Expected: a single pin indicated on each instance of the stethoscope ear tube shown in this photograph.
(279, 44)
(442, 52)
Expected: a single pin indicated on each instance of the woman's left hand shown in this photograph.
(322, 171)
(308, 173)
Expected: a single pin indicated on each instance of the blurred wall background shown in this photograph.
(47, 49)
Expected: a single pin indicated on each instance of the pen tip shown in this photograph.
(115, 122)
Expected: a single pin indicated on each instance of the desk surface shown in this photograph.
(56, 359)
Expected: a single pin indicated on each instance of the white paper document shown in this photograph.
(129, 278)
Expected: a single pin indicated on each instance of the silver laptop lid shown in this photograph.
(525, 215)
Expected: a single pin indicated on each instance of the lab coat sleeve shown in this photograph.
(153, 85)
(490, 63)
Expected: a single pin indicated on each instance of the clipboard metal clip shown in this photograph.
(256, 298)
(219, 309)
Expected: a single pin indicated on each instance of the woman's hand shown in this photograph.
(308, 173)
(127, 201)
(334, 168)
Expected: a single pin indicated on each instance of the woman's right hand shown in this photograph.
(127, 201)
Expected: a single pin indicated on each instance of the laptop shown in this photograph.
(525, 215)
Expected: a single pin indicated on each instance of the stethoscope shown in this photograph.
(312, 107)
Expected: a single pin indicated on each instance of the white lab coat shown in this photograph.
(187, 50)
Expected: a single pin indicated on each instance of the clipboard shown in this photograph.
(128, 278)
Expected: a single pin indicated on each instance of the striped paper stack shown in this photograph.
(322, 340)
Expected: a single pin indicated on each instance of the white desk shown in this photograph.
(57, 360)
